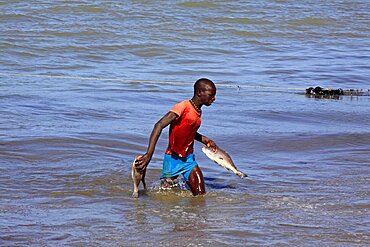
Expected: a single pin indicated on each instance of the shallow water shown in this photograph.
(83, 82)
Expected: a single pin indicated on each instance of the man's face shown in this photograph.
(208, 95)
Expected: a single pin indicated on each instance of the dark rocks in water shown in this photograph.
(319, 91)
(324, 91)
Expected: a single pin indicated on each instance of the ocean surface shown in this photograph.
(83, 82)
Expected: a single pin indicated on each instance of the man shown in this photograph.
(184, 120)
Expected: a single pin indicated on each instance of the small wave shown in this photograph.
(347, 141)
(55, 148)
(150, 52)
(71, 8)
(302, 226)
(348, 34)
(247, 33)
(310, 21)
(25, 54)
(19, 17)
(191, 4)
(76, 33)
(238, 20)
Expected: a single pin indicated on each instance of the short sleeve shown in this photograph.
(179, 108)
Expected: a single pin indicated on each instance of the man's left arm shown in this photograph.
(205, 140)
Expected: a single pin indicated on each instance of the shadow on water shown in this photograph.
(217, 183)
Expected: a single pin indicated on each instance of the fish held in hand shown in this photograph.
(222, 158)
(137, 177)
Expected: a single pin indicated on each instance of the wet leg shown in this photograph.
(196, 182)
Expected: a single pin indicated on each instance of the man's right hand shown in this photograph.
(141, 162)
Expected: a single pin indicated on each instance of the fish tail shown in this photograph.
(242, 175)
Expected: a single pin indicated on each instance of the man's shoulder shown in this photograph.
(181, 107)
(182, 104)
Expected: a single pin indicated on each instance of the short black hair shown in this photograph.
(202, 81)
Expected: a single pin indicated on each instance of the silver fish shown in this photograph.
(137, 177)
(223, 159)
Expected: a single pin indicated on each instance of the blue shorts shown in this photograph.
(174, 165)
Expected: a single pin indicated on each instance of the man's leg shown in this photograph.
(196, 182)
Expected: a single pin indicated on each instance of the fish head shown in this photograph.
(219, 156)
(208, 151)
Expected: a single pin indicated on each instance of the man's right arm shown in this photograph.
(143, 161)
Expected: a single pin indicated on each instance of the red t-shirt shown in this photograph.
(183, 129)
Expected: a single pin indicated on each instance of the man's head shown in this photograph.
(205, 91)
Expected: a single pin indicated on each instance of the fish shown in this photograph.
(137, 177)
(222, 158)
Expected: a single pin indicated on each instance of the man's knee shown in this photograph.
(196, 182)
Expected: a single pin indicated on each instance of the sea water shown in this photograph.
(83, 82)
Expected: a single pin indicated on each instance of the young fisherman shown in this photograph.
(184, 120)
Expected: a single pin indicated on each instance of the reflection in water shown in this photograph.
(176, 213)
